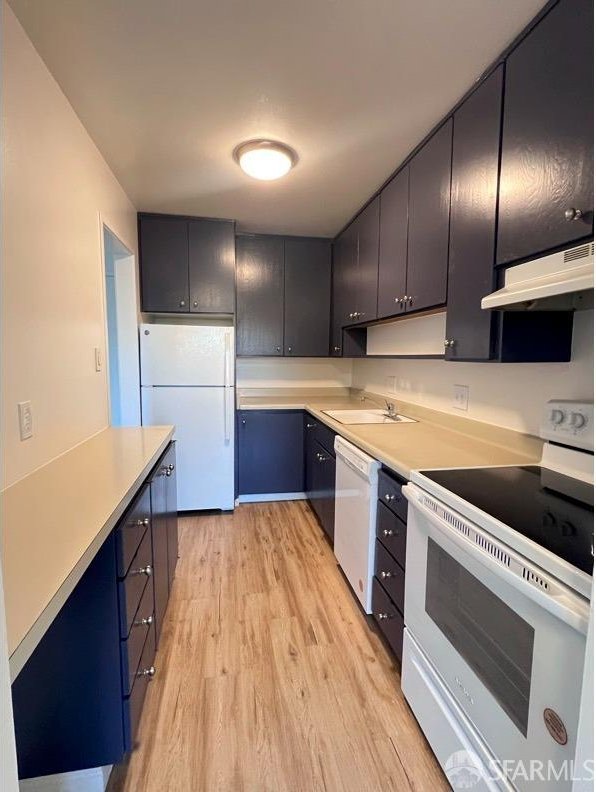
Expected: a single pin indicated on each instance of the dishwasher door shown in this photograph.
(356, 486)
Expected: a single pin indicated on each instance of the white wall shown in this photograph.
(511, 395)
(56, 191)
(293, 373)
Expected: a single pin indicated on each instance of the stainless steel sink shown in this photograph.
(367, 417)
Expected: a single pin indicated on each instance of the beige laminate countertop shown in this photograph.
(55, 520)
(434, 441)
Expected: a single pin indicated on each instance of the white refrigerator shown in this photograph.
(187, 379)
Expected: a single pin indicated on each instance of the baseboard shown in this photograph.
(272, 496)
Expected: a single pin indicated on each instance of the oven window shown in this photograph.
(493, 640)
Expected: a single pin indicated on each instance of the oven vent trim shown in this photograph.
(448, 516)
(498, 553)
(493, 550)
(536, 580)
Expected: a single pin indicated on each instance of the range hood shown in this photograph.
(561, 281)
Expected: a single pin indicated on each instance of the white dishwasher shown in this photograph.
(356, 485)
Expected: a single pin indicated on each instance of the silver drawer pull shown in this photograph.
(385, 575)
(147, 672)
(146, 570)
(168, 472)
(144, 521)
(388, 532)
(143, 622)
(310, 426)
(389, 497)
(383, 616)
(170, 467)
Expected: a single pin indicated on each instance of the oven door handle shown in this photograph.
(564, 604)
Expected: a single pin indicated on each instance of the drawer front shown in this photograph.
(132, 647)
(391, 531)
(130, 590)
(131, 530)
(388, 618)
(133, 705)
(390, 493)
(390, 574)
(322, 433)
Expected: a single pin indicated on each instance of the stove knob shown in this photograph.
(578, 420)
(557, 417)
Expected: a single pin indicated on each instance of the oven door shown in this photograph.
(507, 640)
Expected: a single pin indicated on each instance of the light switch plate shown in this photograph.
(461, 395)
(25, 420)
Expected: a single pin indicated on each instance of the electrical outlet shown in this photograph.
(390, 384)
(25, 420)
(461, 396)
(98, 359)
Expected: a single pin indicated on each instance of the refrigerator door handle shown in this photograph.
(227, 361)
(228, 414)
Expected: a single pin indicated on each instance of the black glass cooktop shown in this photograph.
(555, 511)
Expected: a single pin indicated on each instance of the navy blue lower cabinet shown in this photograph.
(319, 472)
(159, 532)
(390, 560)
(67, 700)
(270, 451)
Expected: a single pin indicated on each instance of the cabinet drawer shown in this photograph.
(131, 588)
(131, 529)
(133, 705)
(322, 433)
(390, 574)
(391, 531)
(390, 493)
(132, 647)
(388, 618)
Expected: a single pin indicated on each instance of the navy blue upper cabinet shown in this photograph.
(476, 132)
(428, 222)
(259, 295)
(211, 261)
(307, 298)
(186, 264)
(368, 263)
(163, 252)
(345, 273)
(393, 245)
(547, 151)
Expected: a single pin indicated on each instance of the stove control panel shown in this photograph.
(570, 423)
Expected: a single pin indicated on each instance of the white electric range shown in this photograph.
(497, 605)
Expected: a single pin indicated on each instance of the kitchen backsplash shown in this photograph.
(293, 373)
(505, 394)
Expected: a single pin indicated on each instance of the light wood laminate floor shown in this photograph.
(269, 676)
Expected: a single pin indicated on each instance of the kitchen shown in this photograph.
(297, 494)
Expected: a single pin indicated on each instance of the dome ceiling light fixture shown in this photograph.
(265, 159)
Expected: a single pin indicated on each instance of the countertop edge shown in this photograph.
(27, 646)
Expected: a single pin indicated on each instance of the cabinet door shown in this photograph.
(270, 451)
(368, 262)
(67, 700)
(159, 533)
(212, 259)
(393, 245)
(171, 511)
(307, 300)
(163, 252)
(323, 483)
(345, 285)
(428, 229)
(259, 295)
(548, 118)
(476, 129)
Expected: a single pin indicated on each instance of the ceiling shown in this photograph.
(168, 88)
